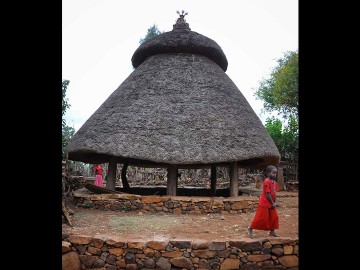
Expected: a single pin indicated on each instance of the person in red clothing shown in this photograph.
(98, 175)
(266, 217)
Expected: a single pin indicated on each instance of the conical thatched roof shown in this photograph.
(177, 107)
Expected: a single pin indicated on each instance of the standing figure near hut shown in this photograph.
(266, 217)
(98, 175)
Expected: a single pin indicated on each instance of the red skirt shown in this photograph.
(265, 219)
(98, 180)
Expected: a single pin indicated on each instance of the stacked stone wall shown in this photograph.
(86, 252)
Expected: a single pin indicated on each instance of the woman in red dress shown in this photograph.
(98, 175)
(266, 217)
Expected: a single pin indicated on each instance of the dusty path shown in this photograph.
(144, 227)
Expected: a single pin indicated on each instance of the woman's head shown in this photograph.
(271, 172)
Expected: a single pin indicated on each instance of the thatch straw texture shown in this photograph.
(177, 107)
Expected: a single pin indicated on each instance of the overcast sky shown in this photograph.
(99, 38)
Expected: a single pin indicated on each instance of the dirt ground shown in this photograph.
(135, 226)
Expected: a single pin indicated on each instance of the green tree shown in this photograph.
(67, 133)
(274, 128)
(280, 91)
(290, 138)
(151, 32)
(65, 101)
(286, 138)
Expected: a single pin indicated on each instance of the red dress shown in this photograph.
(266, 218)
(98, 176)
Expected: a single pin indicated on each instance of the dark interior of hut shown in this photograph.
(181, 191)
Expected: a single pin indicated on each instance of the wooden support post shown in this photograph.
(280, 177)
(171, 187)
(66, 213)
(234, 182)
(111, 174)
(124, 180)
(213, 181)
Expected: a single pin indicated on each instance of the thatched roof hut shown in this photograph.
(177, 108)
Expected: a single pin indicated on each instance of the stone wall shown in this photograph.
(166, 204)
(101, 253)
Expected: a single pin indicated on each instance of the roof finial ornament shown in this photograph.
(181, 23)
(182, 13)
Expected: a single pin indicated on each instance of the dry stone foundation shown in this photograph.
(101, 253)
(168, 204)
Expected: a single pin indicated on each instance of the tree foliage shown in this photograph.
(65, 101)
(286, 138)
(151, 32)
(280, 91)
(67, 133)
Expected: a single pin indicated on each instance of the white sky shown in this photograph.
(99, 38)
